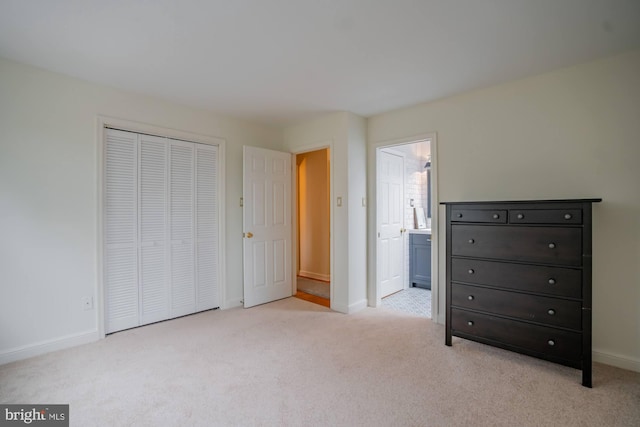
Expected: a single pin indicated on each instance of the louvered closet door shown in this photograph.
(154, 286)
(181, 228)
(161, 229)
(120, 230)
(206, 227)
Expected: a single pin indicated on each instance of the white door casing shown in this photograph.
(267, 227)
(390, 223)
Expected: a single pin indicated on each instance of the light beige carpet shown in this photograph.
(294, 363)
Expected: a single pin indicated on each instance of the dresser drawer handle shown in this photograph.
(520, 216)
(471, 271)
(567, 216)
(471, 241)
(470, 297)
(552, 245)
(551, 343)
(552, 281)
(496, 216)
(551, 311)
(459, 215)
(470, 323)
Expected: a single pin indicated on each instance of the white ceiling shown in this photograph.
(279, 61)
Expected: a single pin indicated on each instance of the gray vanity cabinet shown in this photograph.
(420, 260)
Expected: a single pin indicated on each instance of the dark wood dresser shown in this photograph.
(519, 277)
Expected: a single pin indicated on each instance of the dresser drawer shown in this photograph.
(548, 245)
(547, 310)
(545, 216)
(479, 215)
(558, 281)
(541, 339)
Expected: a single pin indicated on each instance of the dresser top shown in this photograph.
(515, 202)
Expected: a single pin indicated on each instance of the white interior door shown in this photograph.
(266, 193)
(390, 223)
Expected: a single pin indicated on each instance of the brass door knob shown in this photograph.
(249, 235)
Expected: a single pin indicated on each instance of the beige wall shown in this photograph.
(572, 133)
(49, 192)
(344, 133)
(313, 214)
(357, 204)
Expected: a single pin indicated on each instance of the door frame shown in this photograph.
(294, 211)
(437, 285)
(103, 122)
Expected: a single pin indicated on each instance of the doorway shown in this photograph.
(403, 182)
(313, 257)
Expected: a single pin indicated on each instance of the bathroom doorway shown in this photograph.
(404, 227)
(313, 257)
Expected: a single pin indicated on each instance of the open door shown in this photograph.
(266, 191)
(390, 223)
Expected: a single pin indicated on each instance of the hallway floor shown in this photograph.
(314, 291)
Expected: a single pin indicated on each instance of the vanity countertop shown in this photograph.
(421, 231)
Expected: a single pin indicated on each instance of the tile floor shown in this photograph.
(415, 301)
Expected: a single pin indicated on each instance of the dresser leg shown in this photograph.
(447, 338)
(586, 377)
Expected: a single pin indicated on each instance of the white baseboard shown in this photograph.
(340, 308)
(349, 309)
(616, 360)
(357, 306)
(48, 346)
(317, 276)
(232, 303)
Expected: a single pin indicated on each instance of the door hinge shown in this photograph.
(241, 201)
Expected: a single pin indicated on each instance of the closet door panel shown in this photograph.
(206, 227)
(120, 231)
(181, 228)
(154, 286)
(182, 280)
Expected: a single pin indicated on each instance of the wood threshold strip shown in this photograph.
(313, 298)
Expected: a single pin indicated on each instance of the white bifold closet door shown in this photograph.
(121, 231)
(161, 229)
(152, 226)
